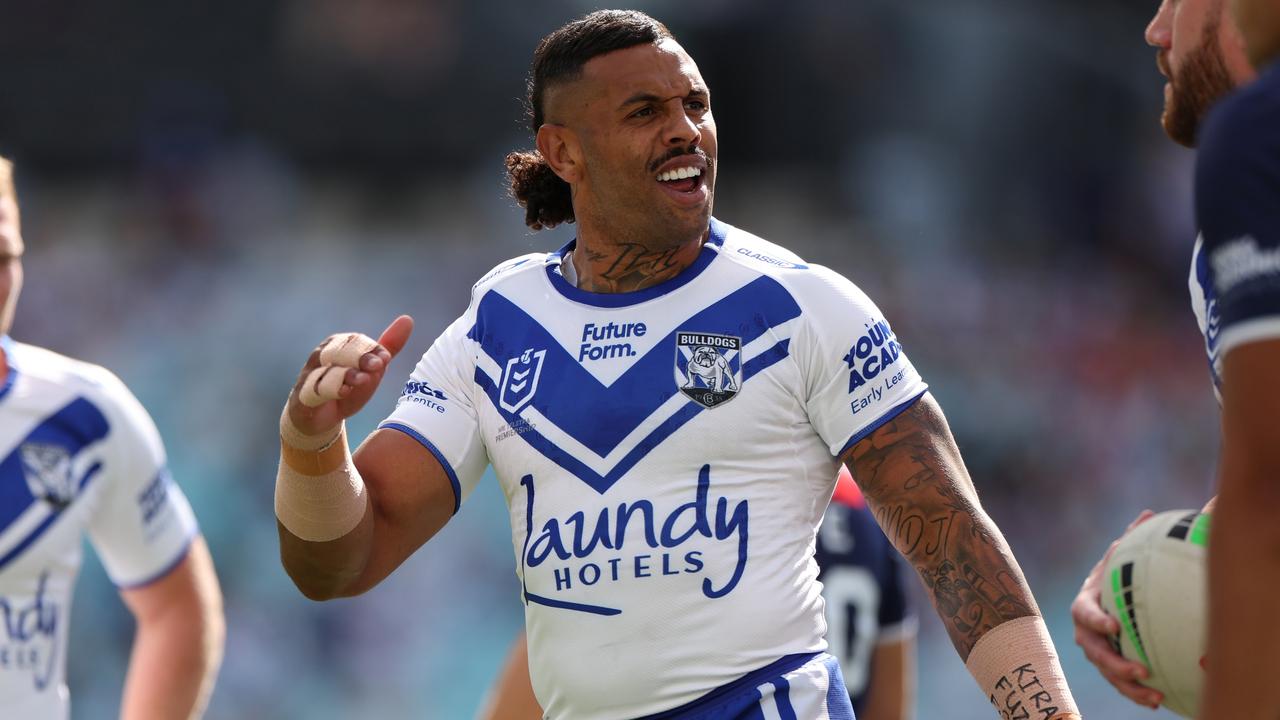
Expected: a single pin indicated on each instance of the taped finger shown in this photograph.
(322, 385)
(346, 350)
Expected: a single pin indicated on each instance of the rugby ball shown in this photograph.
(1156, 585)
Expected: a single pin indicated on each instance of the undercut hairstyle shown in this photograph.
(559, 58)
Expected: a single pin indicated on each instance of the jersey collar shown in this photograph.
(710, 249)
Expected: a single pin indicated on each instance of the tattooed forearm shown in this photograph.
(914, 480)
(629, 266)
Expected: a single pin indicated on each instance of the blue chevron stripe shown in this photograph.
(600, 417)
(47, 523)
(601, 483)
(77, 425)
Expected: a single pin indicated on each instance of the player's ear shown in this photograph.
(559, 147)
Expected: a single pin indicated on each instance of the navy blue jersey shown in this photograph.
(862, 579)
(1238, 208)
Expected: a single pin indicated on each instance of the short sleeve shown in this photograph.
(141, 525)
(857, 376)
(437, 408)
(1238, 209)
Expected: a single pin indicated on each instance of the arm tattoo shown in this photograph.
(911, 473)
(629, 267)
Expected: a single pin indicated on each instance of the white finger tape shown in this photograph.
(346, 350)
(322, 385)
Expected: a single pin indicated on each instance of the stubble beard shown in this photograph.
(654, 224)
(1199, 82)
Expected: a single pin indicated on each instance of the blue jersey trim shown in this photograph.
(563, 605)
(448, 469)
(168, 567)
(46, 523)
(839, 706)
(890, 414)
(6, 344)
(782, 699)
(714, 703)
(616, 300)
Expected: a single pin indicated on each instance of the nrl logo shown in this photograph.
(708, 367)
(47, 469)
(520, 380)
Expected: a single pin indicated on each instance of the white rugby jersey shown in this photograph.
(80, 454)
(666, 456)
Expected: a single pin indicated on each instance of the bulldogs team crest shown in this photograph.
(520, 379)
(708, 367)
(48, 473)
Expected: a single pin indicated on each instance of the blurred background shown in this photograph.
(992, 173)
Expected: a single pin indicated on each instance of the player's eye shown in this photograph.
(696, 105)
(644, 112)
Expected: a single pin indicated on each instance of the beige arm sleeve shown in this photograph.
(1016, 665)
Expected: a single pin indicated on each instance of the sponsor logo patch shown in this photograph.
(708, 367)
(520, 379)
(47, 469)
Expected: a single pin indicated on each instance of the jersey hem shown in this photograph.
(889, 414)
(781, 666)
(897, 632)
(166, 568)
(448, 468)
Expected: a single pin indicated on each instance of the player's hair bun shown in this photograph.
(545, 198)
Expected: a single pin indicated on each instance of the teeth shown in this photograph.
(679, 174)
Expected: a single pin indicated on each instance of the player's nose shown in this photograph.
(682, 129)
(1159, 32)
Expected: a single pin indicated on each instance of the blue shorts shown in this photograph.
(796, 687)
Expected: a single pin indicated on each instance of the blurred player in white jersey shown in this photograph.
(80, 456)
(665, 401)
(1235, 294)
(871, 629)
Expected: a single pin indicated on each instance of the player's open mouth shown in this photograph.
(682, 179)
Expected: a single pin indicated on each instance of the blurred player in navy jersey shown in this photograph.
(1235, 294)
(665, 401)
(81, 458)
(871, 628)
(1238, 209)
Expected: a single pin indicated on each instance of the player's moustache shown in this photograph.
(1162, 62)
(679, 152)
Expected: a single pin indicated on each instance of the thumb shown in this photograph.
(396, 335)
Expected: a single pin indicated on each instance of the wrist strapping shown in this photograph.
(1017, 667)
(319, 494)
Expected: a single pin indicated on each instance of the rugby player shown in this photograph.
(83, 458)
(1205, 56)
(665, 401)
